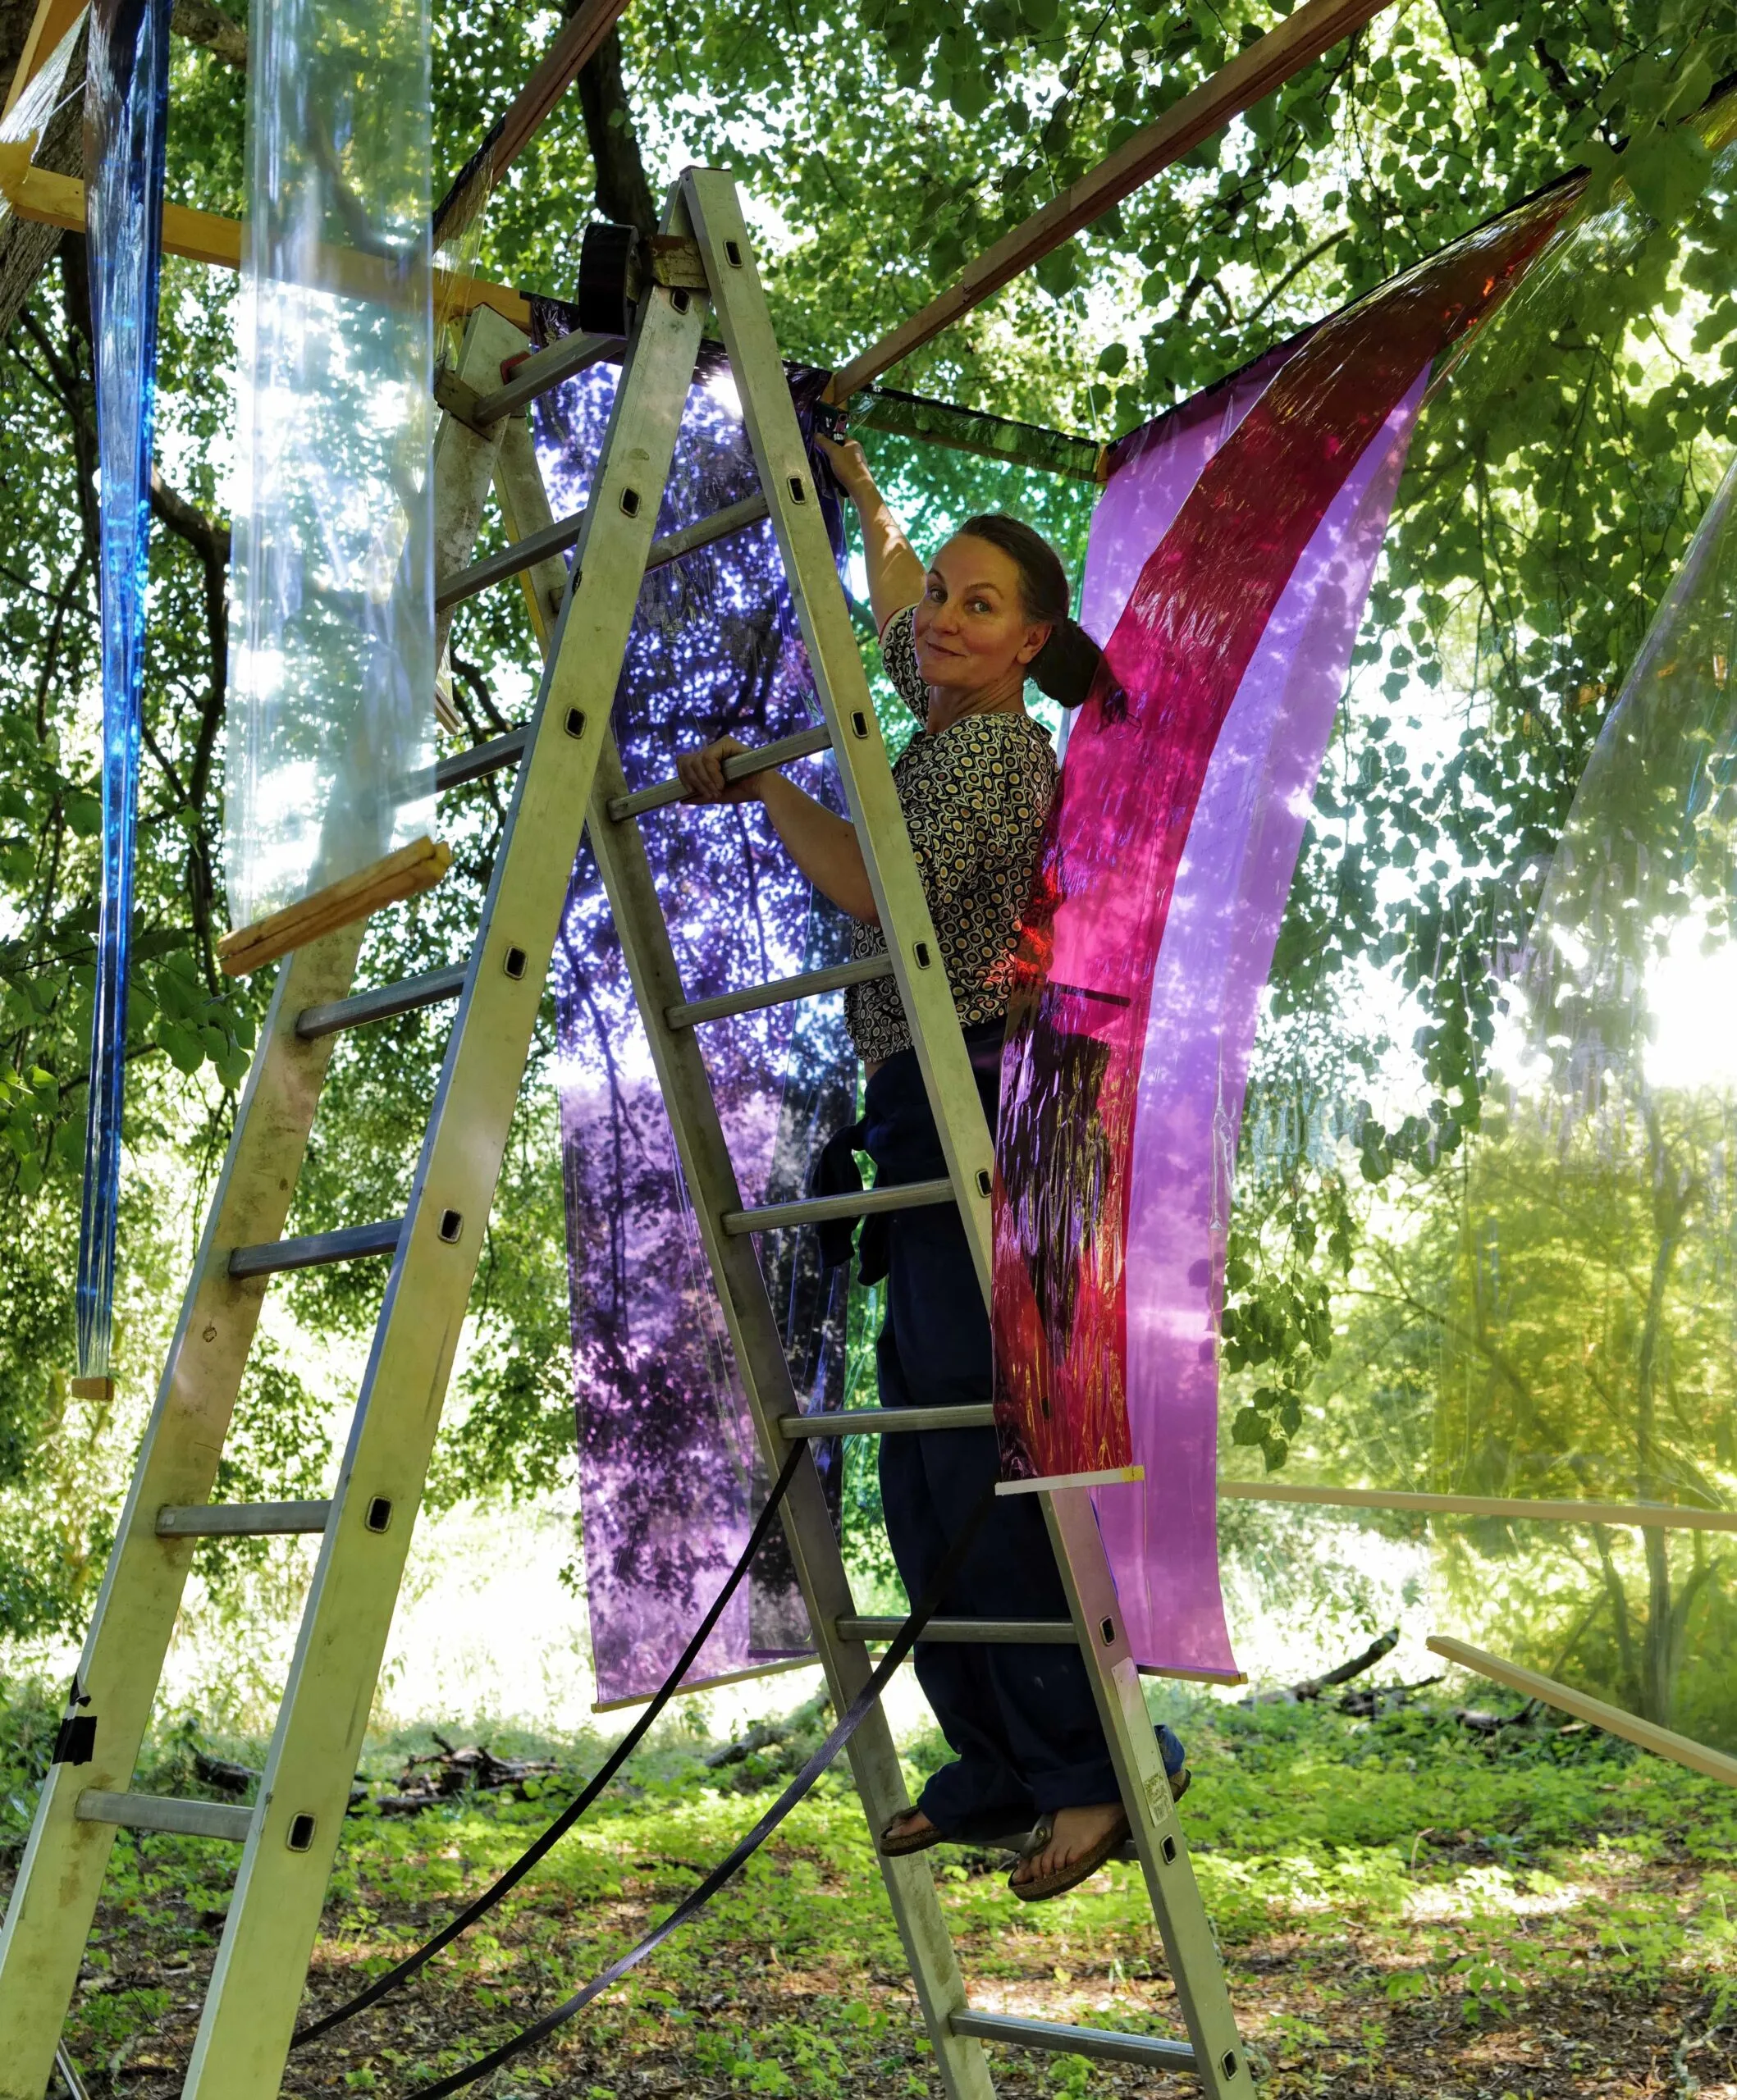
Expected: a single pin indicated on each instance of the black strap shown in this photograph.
(575, 1809)
(698, 1898)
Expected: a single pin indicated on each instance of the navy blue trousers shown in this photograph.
(1021, 1721)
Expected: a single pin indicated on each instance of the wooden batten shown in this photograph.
(93, 1389)
(1663, 1743)
(413, 868)
(1657, 1516)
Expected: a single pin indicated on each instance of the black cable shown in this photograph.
(698, 1898)
(575, 1809)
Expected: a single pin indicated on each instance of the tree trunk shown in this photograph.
(623, 190)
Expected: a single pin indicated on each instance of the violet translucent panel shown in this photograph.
(1135, 765)
(1231, 887)
(330, 752)
(126, 105)
(668, 1467)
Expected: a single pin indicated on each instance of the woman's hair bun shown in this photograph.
(1064, 668)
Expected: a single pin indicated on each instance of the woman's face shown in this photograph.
(971, 629)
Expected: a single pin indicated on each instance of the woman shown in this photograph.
(959, 641)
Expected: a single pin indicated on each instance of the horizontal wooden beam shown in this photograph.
(1663, 1743)
(58, 200)
(1659, 1516)
(1249, 78)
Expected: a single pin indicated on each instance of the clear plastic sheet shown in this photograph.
(126, 108)
(1249, 602)
(331, 725)
(1588, 1342)
(668, 1475)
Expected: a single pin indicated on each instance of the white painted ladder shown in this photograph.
(568, 773)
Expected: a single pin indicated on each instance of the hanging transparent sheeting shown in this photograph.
(127, 107)
(332, 724)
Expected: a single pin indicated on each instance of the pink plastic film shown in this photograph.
(1257, 581)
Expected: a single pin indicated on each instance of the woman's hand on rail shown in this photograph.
(701, 773)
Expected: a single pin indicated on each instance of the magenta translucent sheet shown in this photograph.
(668, 1469)
(1165, 869)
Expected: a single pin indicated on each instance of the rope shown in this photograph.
(698, 1898)
(575, 1809)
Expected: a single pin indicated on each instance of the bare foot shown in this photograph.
(909, 1823)
(1075, 1831)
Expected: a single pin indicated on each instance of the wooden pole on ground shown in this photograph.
(1253, 75)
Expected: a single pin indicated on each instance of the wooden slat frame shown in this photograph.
(1253, 75)
(1663, 1743)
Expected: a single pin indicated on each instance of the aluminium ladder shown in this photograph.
(568, 773)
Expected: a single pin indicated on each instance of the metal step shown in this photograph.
(885, 1422)
(1151, 2050)
(815, 1210)
(541, 370)
(556, 538)
(317, 1249)
(239, 1520)
(811, 984)
(802, 745)
(480, 760)
(383, 1003)
(166, 1812)
(986, 1632)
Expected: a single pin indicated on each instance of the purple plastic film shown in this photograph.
(669, 1473)
(125, 103)
(1231, 886)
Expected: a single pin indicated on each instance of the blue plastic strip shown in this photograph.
(126, 104)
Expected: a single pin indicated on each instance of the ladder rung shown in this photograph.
(977, 1633)
(815, 1210)
(510, 561)
(480, 760)
(541, 370)
(239, 1520)
(381, 1004)
(555, 539)
(884, 1422)
(733, 517)
(810, 986)
(318, 1248)
(166, 1812)
(802, 745)
(1151, 2049)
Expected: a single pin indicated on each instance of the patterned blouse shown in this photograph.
(974, 800)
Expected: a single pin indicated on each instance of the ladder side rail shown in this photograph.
(1190, 1948)
(257, 1981)
(60, 1877)
(835, 660)
(765, 1372)
(705, 1164)
(463, 462)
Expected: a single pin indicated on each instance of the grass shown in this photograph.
(1406, 1908)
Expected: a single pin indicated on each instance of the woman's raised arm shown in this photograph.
(896, 577)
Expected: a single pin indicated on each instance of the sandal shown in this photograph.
(1058, 1883)
(894, 1844)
